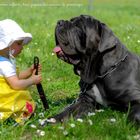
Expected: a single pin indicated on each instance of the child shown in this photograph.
(15, 100)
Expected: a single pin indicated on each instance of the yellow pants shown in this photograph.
(17, 104)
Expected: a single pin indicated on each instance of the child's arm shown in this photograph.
(17, 83)
(27, 73)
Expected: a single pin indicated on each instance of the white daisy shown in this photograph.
(65, 132)
(33, 126)
(79, 120)
(91, 114)
(72, 125)
(112, 120)
(90, 122)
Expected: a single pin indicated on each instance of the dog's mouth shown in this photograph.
(71, 59)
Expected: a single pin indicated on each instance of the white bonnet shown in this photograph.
(10, 31)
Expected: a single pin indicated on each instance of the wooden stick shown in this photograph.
(39, 86)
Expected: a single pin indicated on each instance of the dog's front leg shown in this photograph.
(84, 104)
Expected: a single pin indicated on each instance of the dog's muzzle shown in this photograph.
(61, 55)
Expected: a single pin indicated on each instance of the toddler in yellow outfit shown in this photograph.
(15, 100)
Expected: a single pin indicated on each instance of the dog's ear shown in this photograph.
(107, 40)
(91, 56)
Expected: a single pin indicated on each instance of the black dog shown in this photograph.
(110, 74)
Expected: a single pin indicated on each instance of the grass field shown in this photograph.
(59, 82)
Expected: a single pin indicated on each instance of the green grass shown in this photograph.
(59, 82)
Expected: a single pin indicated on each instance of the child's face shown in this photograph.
(16, 47)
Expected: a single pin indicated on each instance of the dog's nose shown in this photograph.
(60, 22)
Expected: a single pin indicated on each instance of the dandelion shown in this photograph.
(33, 126)
(91, 114)
(90, 122)
(65, 133)
(79, 120)
(112, 120)
(72, 125)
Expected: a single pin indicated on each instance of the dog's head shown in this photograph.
(80, 42)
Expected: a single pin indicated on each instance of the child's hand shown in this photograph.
(36, 78)
(39, 68)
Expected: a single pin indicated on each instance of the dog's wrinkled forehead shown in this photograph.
(63, 24)
(65, 36)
